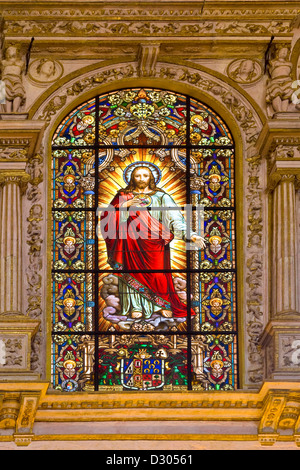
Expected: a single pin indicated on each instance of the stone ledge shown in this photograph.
(34, 405)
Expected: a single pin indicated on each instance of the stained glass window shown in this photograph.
(144, 292)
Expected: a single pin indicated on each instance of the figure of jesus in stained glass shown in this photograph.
(146, 219)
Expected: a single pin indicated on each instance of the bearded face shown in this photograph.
(141, 178)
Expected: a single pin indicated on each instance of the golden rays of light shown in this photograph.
(171, 182)
(112, 181)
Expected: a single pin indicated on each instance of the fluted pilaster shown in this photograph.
(284, 262)
(11, 240)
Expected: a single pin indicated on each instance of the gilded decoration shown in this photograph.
(274, 409)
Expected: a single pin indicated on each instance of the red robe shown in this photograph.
(151, 251)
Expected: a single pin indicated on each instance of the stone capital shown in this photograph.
(14, 176)
(283, 175)
(279, 144)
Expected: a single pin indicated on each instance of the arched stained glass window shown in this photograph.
(144, 265)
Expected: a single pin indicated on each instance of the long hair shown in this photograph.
(131, 186)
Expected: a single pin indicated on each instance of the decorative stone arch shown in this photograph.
(245, 121)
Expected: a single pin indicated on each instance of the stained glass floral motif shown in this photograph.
(137, 303)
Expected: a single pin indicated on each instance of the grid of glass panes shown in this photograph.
(133, 311)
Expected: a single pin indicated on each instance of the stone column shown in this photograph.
(284, 250)
(279, 144)
(281, 338)
(13, 183)
(19, 141)
(16, 329)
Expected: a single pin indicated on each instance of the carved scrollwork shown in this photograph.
(35, 242)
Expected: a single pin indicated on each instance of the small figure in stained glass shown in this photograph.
(69, 306)
(69, 183)
(217, 368)
(69, 368)
(215, 243)
(69, 245)
(214, 182)
(80, 124)
(204, 124)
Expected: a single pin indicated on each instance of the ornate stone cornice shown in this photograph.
(191, 9)
(19, 140)
(275, 408)
(153, 28)
(115, 20)
(277, 133)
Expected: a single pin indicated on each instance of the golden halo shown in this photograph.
(69, 299)
(153, 168)
(216, 300)
(196, 117)
(215, 237)
(69, 361)
(217, 361)
(72, 239)
(89, 119)
(218, 177)
(69, 176)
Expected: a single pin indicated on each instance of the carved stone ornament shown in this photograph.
(144, 28)
(147, 59)
(12, 71)
(45, 71)
(245, 71)
(20, 170)
(289, 351)
(16, 333)
(35, 242)
(280, 83)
